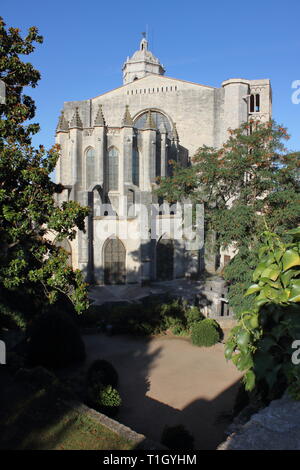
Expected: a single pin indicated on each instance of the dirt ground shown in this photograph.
(168, 381)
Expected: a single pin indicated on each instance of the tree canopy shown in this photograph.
(34, 272)
(249, 185)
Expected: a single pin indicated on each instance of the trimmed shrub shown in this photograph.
(55, 341)
(177, 437)
(105, 399)
(205, 333)
(102, 372)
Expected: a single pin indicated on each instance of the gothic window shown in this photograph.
(114, 262)
(135, 167)
(90, 167)
(158, 156)
(113, 169)
(158, 119)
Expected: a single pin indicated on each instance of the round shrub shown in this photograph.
(55, 341)
(105, 399)
(102, 372)
(205, 333)
(177, 437)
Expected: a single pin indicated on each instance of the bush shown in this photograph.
(177, 437)
(55, 341)
(105, 399)
(205, 333)
(192, 315)
(102, 372)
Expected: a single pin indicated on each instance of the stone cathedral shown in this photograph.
(116, 145)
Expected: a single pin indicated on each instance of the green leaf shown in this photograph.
(245, 361)
(295, 291)
(290, 258)
(260, 268)
(252, 289)
(249, 380)
(271, 272)
(295, 232)
(288, 275)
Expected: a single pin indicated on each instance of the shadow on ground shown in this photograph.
(167, 381)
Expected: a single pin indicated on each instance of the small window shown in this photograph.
(251, 103)
(257, 103)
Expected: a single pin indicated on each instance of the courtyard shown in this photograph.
(168, 381)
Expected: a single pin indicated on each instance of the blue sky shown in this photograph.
(86, 43)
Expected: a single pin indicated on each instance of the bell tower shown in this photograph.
(142, 63)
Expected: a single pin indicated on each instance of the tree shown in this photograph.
(34, 272)
(262, 343)
(249, 185)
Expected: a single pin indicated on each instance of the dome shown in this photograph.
(142, 63)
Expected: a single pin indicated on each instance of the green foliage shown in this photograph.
(144, 319)
(261, 344)
(205, 333)
(102, 372)
(104, 398)
(192, 315)
(29, 262)
(177, 437)
(249, 184)
(55, 341)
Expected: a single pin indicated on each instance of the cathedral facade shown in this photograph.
(116, 146)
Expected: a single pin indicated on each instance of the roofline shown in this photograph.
(156, 75)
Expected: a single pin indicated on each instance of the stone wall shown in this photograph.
(276, 427)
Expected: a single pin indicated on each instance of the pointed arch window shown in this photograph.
(135, 167)
(90, 167)
(113, 169)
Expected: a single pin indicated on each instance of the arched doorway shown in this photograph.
(165, 260)
(114, 262)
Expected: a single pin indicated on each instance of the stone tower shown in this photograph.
(142, 63)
